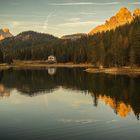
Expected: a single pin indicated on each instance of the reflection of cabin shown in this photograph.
(51, 59)
(51, 71)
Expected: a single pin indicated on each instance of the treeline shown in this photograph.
(112, 48)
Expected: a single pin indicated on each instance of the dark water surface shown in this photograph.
(68, 104)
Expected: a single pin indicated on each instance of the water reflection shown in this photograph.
(120, 108)
(120, 93)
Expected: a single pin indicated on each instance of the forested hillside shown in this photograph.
(119, 47)
(22, 41)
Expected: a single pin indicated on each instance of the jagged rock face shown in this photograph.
(124, 16)
(5, 33)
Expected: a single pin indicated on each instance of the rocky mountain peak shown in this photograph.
(122, 17)
(5, 30)
(124, 10)
(5, 33)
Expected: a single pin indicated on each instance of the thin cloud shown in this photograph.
(87, 13)
(46, 22)
(24, 23)
(73, 19)
(80, 23)
(84, 3)
(29, 25)
(78, 121)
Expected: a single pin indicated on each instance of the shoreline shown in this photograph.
(38, 65)
(42, 65)
(115, 71)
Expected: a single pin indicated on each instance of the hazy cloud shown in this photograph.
(15, 23)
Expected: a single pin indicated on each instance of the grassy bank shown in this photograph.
(41, 65)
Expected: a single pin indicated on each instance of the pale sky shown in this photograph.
(59, 17)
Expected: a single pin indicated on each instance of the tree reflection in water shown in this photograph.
(121, 93)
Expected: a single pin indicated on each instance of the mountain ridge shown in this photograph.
(26, 39)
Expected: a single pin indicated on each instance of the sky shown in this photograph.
(59, 17)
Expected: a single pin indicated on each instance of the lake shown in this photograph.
(68, 103)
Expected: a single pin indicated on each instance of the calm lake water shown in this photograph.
(69, 104)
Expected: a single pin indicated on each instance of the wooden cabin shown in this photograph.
(51, 59)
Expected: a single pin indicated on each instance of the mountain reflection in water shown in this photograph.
(3, 91)
(121, 93)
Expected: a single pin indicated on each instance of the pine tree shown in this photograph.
(101, 54)
(1, 56)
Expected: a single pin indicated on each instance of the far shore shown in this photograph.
(88, 67)
(41, 65)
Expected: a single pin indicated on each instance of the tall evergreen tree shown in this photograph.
(1, 56)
